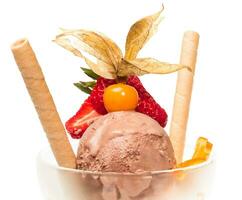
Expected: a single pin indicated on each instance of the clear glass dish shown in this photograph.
(57, 183)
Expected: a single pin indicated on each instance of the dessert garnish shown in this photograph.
(117, 84)
(43, 103)
(183, 93)
(110, 62)
(201, 154)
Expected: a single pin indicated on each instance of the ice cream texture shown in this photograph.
(125, 141)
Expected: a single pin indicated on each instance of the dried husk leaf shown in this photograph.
(141, 66)
(107, 70)
(140, 33)
(104, 65)
(109, 58)
(96, 44)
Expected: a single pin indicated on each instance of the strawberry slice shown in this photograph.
(91, 109)
(85, 116)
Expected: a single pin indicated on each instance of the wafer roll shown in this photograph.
(43, 102)
(183, 93)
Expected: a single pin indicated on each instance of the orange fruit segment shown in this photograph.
(203, 149)
(201, 154)
(191, 162)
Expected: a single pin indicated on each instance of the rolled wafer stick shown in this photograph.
(183, 93)
(43, 102)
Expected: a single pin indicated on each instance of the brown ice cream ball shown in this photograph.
(125, 141)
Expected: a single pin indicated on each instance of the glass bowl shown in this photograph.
(58, 183)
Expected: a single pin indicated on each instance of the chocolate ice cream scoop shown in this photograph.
(125, 141)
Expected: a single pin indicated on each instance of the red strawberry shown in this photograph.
(90, 110)
(152, 109)
(96, 96)
(77, 125)
(93, 107)
(147, 104)
(137, 84)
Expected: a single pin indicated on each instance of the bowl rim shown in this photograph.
(40, 158)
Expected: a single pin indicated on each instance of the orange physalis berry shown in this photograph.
(120, 97)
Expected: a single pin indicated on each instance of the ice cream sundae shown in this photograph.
(120, 125)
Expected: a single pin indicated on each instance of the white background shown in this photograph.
(216, 102)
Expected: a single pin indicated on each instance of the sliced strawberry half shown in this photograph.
(85, 116)
(91, 109)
